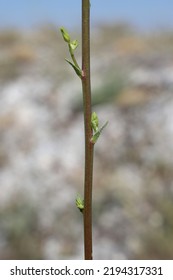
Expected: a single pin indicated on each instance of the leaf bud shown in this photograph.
(65, 35)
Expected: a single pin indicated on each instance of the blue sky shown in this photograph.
(145, 14)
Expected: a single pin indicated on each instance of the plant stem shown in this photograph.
(73, 58)
(89, 147)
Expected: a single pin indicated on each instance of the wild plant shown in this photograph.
(92, 130)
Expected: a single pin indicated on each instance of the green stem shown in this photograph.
(73, 57)
(89, 147)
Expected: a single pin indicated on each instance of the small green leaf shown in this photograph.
(96, 135)
(80, 203)
(103, 126)
(74, 45)
(76, 69)
(65, 35)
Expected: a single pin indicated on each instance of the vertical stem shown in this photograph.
(89, 147)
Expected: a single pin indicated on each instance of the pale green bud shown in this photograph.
(80, 203)
(94, 121)
(65, 35)
(74, 45)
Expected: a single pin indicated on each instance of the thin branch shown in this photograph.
(89, 147)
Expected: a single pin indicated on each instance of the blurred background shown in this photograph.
(42, 134)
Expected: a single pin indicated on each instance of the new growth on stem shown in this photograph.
(95, 126)
(72, 45)
(80, 203)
